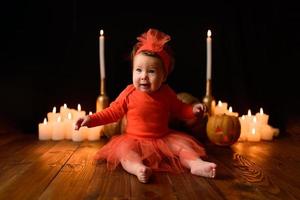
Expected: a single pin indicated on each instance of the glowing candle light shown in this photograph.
(231, 113)
(101, 55)
(80, 135)
(58, 132)
(64, 110)
(52, 116)
(78, 113)
(221, 108)
(267, 132)
(248, 122)
(253, 136)
(208, 55)
(69, 126)
(45, 130)
(243, 135)
(261, 117)
(93, 133)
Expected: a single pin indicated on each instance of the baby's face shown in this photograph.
(148, 74)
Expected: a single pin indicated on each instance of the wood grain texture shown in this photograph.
(33, 169)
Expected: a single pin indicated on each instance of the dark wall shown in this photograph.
(50, 54)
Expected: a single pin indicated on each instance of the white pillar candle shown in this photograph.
(213, 107)
(93, 133)
(58, 132)
(254, 136)
(64, 110)
(78, 113)
(69, 127)
(267, 132)
(261, 117)
(231, 113)
(45, 130)
(80, 135)
(208, 55)
(221, 108)
(243, 135)
(52, 116)
(101, 52)
(248, 121)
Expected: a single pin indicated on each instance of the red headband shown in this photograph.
(154, 40)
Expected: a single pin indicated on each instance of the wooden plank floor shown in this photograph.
(33, 169)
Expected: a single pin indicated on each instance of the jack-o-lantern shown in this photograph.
(223, 130)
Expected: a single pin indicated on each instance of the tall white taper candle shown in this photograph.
(101, 54)
(208, 55)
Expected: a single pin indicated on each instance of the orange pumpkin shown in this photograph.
(223, 130)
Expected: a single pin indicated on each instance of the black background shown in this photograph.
(50, 53)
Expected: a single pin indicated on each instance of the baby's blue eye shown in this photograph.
(138, 70)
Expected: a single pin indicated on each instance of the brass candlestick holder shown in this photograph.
(208, 99)
(102, 100)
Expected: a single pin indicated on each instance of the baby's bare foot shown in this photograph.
(203, 168)
(143, 174)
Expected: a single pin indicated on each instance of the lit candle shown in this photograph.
(52, 116)
(45, 130)
(101, 55)
(267, 132)
(213, 107)
(208, 55)
(80, 135)
(253, 136)
(69, 126)
(257, 127)
(93, 133)
(64, 110)
(261, 117)
(243, 135)
(77, 113)
(231, 113)
(58, 132)
(221, 108)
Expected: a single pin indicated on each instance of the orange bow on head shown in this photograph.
(154, 40)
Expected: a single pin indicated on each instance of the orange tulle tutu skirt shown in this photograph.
(160, 154)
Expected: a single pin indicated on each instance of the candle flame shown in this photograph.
(230, 109)
(101, 32)
(249, 112)
(219, 103)
(65, 106)
(45, 121)
(261, 111)
(79, 107)
(209, 33)
(54, 109)
(90, 113)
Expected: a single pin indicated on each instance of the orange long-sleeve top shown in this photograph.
(147, 114)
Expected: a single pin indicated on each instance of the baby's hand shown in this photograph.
(199, 109)
(82, 121)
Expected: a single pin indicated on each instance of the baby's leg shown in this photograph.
(197, 166)
(136, 167)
